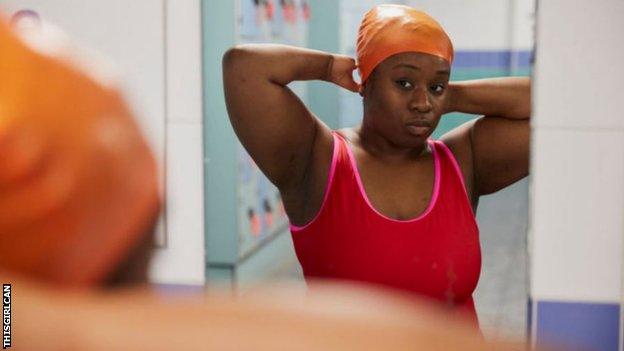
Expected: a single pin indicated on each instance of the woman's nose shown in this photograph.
(420, 101)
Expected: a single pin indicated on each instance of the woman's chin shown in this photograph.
(417, 138)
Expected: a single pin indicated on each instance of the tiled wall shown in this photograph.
(181, 260)
(577, 193)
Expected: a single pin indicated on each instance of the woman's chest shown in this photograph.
(437, 258)
(400, 192)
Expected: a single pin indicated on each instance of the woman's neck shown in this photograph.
(380, 147)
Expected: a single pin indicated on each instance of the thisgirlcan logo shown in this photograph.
(6, 316)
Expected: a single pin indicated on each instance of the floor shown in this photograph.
(502, 293)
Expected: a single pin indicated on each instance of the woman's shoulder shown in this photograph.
(458, 142)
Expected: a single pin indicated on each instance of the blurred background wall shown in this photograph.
(155, 48)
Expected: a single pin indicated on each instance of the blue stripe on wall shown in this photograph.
(178, 289)
(529, 318)
(580, 326)
(501, 59)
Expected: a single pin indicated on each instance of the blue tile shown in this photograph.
(524, 58)
(529, 317)
(584, 326)
(495, 59)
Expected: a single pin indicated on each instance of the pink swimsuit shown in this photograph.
(436, 255)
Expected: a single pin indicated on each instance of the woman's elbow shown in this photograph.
(235, 56)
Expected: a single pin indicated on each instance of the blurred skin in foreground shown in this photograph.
(330, 317)
(81, 201)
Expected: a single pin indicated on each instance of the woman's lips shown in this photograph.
(416, 129)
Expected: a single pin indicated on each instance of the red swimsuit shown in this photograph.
(435, 255)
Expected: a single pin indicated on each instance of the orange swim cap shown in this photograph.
(78, 183)
(387, 30)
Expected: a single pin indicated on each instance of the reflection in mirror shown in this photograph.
(381, 172)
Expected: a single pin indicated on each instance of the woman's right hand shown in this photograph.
(341, 72)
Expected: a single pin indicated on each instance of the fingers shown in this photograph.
(354, 87)
(343, 67)
(348, 83)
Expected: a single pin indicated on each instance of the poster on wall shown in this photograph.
(260, 212)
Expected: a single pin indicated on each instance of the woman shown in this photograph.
(382, 202)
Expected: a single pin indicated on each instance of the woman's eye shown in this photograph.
(404, 84)
(437, 88)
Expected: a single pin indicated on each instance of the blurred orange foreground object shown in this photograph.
(78, 183)
(387, 30)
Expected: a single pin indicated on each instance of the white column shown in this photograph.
(577, 193)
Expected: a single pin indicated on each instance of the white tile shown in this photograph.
(182, 261)
(577, 215)
(464, 21)
(578, 74)
(100, 30)
(184, 73)
(523, 28)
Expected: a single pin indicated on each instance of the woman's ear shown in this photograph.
(367, 85)
(362, 88)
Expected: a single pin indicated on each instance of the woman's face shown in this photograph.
(405, 97)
